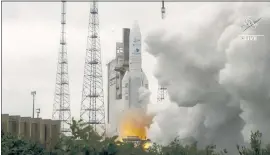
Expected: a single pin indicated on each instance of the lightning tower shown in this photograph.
(92, 104)
(61, 106)
(162, 94)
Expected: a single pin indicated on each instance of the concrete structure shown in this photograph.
(137, 141)
(134, 139)
(116, 70)
(125, 77)
(43, 131)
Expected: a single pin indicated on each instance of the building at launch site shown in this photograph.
(43, 131)
(125, 77)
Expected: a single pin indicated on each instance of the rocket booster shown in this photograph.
(135, 77)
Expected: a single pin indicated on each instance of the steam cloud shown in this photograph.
(218, 84)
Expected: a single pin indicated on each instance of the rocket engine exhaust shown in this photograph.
(135, 122)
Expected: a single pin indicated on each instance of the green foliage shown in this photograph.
(255, 145)
(11, 145)
(85, 141)
(176, 148)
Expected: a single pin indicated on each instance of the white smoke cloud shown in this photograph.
(213, 75)
(144, 97)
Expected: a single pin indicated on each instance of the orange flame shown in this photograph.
(147, 145)
(135, 122)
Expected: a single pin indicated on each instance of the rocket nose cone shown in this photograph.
(135, 26)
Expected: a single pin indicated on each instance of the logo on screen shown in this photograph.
(250, 23)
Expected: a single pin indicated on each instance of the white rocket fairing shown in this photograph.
(134, 78)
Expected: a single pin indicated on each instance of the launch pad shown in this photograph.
(132, 139)
(137, 141)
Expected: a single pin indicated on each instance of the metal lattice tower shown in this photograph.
(92, 103)
(61, 106)
(162, 94)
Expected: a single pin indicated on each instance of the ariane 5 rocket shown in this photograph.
(134, 77)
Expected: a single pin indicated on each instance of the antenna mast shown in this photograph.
(34, 94)
(61, 106)
(92, 104)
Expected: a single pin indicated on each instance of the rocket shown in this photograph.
(134, 77)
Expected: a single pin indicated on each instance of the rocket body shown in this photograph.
(134, 78)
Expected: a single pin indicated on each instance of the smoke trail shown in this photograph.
(210, 73)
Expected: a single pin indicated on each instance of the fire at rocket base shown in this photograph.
(135, 122)
(134, 126)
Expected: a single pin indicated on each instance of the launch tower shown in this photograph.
(61, 106)
(116, 71)
(162, 93)
(92, 104)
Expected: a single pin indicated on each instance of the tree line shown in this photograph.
(85, 141)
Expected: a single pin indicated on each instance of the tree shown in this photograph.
(255, 146)
(12, 145)
(85, 141)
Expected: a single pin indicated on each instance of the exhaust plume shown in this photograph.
(135, 121)
(218, 83)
